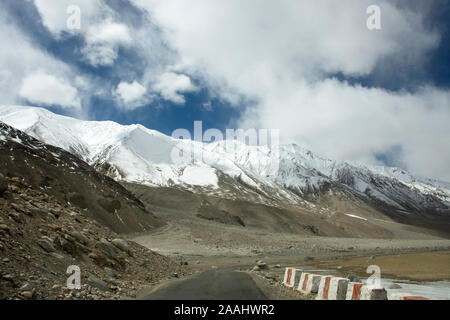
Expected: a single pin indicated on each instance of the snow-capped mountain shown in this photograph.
(277, 174)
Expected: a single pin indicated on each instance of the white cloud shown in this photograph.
(280, 54)
(170, 85)
(131, 94)
(356, 123)
(103, 41)
(109, 32)
(43, 88)
(277, 54)
(298, 37)
(103, 35)
(19, 59)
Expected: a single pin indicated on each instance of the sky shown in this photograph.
(312, 69)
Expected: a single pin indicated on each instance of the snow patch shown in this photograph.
(200, 176)
(357, 217)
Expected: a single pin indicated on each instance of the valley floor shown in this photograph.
(205, 245)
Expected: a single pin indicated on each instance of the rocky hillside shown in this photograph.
(57, 211)
(41, 236)
(70, 180)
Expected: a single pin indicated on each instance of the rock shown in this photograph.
(175, 275)
(354, 278)
(8, 196)
(372, 257)
(98, 283)
(37, 212)
(110, 272)
(4, 227)
(3, 185)
(109, 249)
(99, 259)
(277, 266)
(80, 237)
(256, 268)
(121, 244)
(27, 287)
(27, 294)
(17, 217)
(57, 256)
(306, 259)
(262, 265)
(46, 245)
(8, 277)
(394, 286)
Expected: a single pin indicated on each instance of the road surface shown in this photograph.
(224, 284)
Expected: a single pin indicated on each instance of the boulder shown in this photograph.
(98, 283)
(256, 268)
(27, 294)
(262, 265)
(3, 185)
(80, 237)
(27, 287)
(109, 249)
(121, 244)
(5, 229)
(100, 259)
(8, 196)
(46, 245)
(110, 272)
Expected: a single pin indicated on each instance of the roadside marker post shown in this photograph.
(354, 290)
(373, 293)
(309, 283)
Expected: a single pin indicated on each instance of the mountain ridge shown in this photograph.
(139, 155)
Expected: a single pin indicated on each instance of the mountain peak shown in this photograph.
(283, 173)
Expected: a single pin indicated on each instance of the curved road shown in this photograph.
(222, 284)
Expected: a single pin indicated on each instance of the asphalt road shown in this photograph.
(211, 285)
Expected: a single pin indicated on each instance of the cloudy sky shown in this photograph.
(309, 68)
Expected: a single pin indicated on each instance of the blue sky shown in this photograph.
(311, 69)
(159, 114)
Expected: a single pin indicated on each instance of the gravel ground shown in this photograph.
(206, 244)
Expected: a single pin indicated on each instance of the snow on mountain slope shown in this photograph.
(286, 172)
(140, 154)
